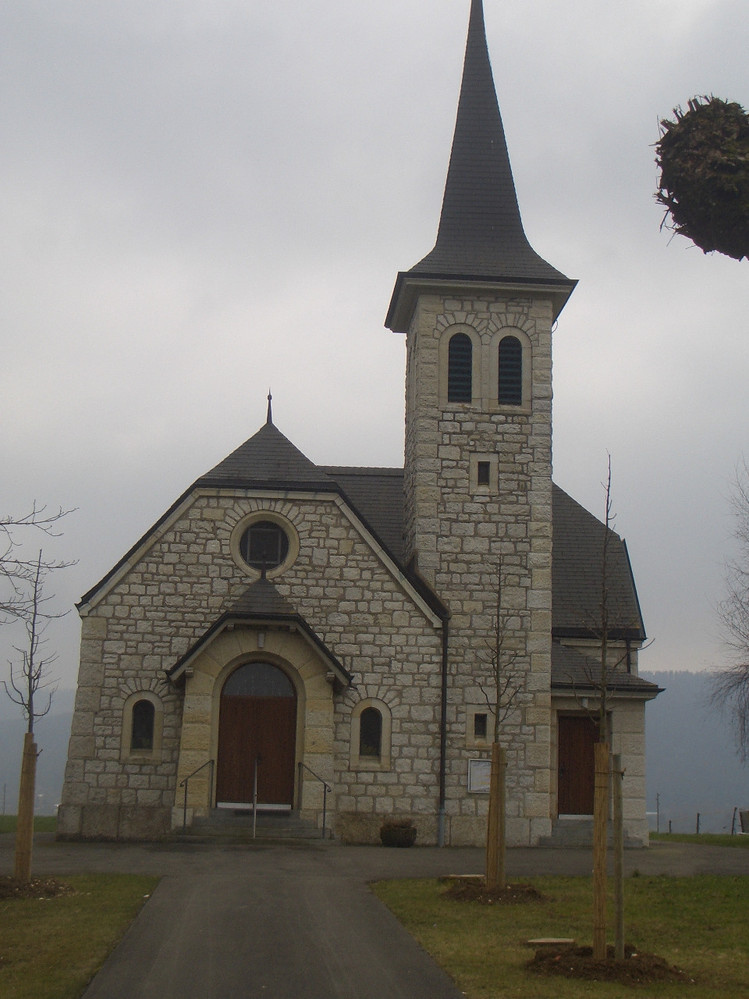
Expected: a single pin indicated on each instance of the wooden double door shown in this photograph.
(577, 735)
(257, 729)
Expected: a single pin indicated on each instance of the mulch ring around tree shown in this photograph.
(474, 889)
(637, 968)
(36, 888)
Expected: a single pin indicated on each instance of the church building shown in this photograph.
(333, 645)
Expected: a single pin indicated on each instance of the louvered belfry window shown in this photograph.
(459, 369)
(510, 388)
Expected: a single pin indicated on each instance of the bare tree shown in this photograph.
(27, 679)
(505, 682)
(598, 678)
(17, 572)
(731, 684)
(31, 674)
(501, 656)
(22, 599)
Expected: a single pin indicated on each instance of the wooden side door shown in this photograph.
(576, 767)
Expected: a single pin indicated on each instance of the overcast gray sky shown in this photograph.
(201, 200)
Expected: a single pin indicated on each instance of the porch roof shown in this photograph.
(572, 669)
(260, 604)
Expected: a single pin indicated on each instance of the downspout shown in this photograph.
(443, 737)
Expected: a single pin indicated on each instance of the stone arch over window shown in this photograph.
(371, 730)
(460, 365)
(511, 369)
(142, 727)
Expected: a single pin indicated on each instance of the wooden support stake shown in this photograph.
(495, 822)
(600, 815)
(618, 777)
(25, 827)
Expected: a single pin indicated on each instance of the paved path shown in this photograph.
(297, 921)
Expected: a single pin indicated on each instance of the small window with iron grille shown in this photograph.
(480, 725)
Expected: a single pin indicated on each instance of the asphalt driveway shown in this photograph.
(288, 921)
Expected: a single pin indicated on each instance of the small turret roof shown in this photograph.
(267, 459)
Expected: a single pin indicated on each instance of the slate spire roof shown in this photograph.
(481, 235)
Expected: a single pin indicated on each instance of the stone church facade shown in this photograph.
(320, 642)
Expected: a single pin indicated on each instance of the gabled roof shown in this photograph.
(377, 495)
(269, 461)
(577, 575)
(480, 236)
(261, 603)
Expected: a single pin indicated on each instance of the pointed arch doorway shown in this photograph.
(257, 725)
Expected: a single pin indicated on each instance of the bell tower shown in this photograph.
(478, 312)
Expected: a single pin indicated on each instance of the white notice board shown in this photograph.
(479, 776)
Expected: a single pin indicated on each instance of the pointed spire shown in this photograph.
(269, 415)
(481, 232)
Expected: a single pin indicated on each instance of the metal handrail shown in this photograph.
(325, 786)
(183, 783)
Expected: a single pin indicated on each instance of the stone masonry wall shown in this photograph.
(460, 535)
(157, 606)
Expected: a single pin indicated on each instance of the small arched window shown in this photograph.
(370, 733)
(142, 728)
(459, 369)
(510, 381)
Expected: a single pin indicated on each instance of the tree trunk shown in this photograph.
(25, 827)
(495, 826)
(600, 815)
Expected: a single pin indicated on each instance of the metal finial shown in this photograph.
(269, 417)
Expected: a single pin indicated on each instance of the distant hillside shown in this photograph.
(692, 761)
(52, 733)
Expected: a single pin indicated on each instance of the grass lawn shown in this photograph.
(50, 948)
(704, 839)
(700, 924)
(42, 823)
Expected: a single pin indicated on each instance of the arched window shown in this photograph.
(370, 733)
(142, 726)
(258, 680)
(459, 369)
(510, 381)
